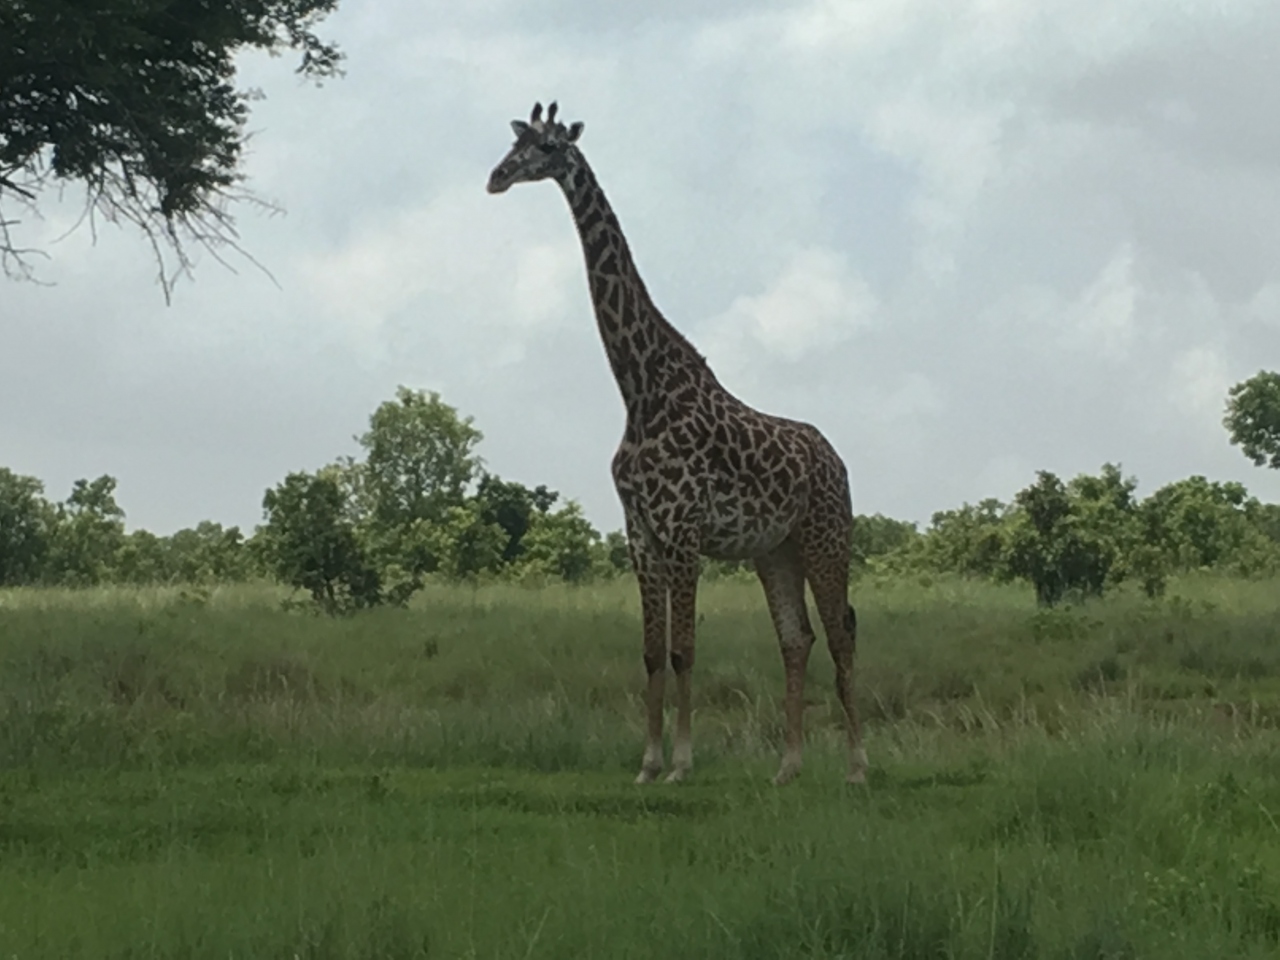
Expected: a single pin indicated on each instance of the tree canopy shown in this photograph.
(25, 521)
(419, 457)
(1253, 418)
(308, 543)
(135, 100)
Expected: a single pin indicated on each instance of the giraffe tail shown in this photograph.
(851, 624)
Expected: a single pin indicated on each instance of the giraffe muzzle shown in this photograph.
(499, 182)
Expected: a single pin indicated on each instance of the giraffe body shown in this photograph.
(700, 473)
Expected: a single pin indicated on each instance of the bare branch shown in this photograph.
(119, 198)
(15, 260)
(7, 184)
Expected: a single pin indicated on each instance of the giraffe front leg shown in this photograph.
(653, 608)
(655, 664)
(683, 614)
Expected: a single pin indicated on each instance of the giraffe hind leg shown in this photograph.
(826, 540)
(840, 624)
(782, 577)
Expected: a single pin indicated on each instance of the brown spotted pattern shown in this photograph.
(701, 473)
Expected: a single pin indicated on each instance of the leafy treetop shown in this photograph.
(135, 99)
(1253, 418)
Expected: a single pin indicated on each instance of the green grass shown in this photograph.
(190, 774)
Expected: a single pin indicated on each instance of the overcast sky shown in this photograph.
(968, 240)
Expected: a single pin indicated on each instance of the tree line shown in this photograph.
(419, 505)
(356, 533)
(1080, 538)
(1083, 537)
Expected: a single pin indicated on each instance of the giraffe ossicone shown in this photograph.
(701, 473)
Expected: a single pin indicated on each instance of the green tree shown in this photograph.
(309, 544)
(562, 544)
(26, 521)
(87, 535)
(135, 99)
(1106, 517)
(1253, 418)
(208, 553)
(1204, 524)
(419, 459)
(351, 475)
(512, 507)
(968, 540)
(1052, 546)
(468, 544)
(878, 535)
(1110, 493)
(1267, 518)
(615, 553)
(143, 558)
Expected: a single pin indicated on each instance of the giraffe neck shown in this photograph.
(649, 357)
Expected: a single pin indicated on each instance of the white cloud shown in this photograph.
(546, 276)
(1199, 380)
(1264, 306)
(914, 398)
(1104, 319)
(815, 303)
(386, 266)
(461, 262)
(898, 413)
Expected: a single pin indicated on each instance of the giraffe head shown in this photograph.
(543, 149)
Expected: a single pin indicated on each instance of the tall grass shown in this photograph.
(204, 774)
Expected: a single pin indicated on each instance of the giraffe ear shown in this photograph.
(519, 126)
(575, 130)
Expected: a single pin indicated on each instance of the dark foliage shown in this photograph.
(511, 506)
(136, 100)
(308, 543)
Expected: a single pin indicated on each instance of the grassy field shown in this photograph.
(190, 775)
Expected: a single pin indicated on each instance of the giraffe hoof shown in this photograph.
(785, 776)
(677, 775)
(647, 776)
(857, 767)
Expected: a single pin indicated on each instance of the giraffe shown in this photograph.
(700, 473)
